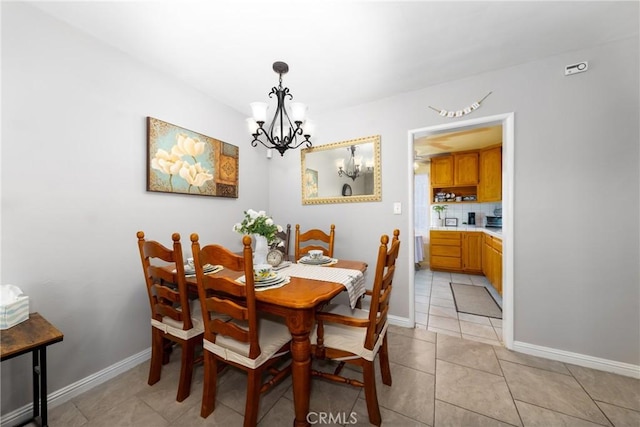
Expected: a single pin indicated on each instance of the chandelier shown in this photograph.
(282, 133)
(352, 167)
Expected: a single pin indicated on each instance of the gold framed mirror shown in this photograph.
(342, 172)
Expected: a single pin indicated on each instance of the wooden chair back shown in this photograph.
(285, 236)
(382, 286)
(224, 295)
(317, 239)
(165, 297)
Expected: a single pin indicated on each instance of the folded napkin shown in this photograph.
(352, 280)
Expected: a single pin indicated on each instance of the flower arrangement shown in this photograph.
(258, 223)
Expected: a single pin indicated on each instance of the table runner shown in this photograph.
(352, 280)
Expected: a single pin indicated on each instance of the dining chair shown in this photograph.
(314, 239)
(173, 318)
(285, 237)
(357, 336)
(248, 341)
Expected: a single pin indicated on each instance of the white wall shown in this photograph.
(576, 152)
(73, 190)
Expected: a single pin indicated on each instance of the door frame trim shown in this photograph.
(507, 120)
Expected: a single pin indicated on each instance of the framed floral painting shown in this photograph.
(187, 162)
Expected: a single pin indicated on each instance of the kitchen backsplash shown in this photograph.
(461, 210)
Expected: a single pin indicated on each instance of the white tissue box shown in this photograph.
(14, 312)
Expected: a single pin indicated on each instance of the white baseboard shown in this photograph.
(620, 368)
(400, 321)
(61, 396)
(626, 369)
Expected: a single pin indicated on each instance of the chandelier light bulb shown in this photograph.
(259, 111)
(298, 111)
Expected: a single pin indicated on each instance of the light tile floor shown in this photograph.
(438, 380)
(435, 309)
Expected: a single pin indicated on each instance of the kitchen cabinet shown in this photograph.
(442, 171)
(465, 168)
(492, 261)
(456, 251)
(472, 252)
(458, 169)
(445, 250)
(475, 173)
(490, 175)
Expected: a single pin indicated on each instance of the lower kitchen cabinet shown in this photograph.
(445, 250)
(472, 252)
(492, 261)
(456, 251)
(469, 252)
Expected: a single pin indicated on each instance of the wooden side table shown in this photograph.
(32, 335)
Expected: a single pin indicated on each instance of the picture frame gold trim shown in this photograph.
(181, 161)
(327, 171)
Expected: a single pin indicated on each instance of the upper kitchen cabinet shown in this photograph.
(475, 176)
(490, 174)
(442, 171)
(454, 170)
(465, 168)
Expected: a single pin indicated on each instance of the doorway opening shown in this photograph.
(416, 208)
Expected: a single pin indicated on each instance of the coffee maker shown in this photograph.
(472, 218)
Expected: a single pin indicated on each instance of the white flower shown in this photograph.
(279, 228)
(166, 163)
(187, 145)
(195, 174)
(258, 223)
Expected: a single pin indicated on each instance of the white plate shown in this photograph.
(275, 281)
(207, 269)
(312, 261)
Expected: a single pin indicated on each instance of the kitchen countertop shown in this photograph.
(495, 232)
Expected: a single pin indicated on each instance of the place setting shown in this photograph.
(190, 269)
(265, 278)
(317, 257)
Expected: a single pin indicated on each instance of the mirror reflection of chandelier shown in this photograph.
(352, 167)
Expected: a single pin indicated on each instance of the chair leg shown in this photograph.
(254, 383)
(186, 369)
(384, 362)
(157, 351)
(210, 384)
(369, 373)
(167, 349)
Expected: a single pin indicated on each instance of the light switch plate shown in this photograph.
(397, 208)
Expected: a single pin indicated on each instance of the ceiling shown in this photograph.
(457, 140)
(340, 53)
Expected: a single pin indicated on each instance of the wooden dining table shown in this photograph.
(297, 303)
